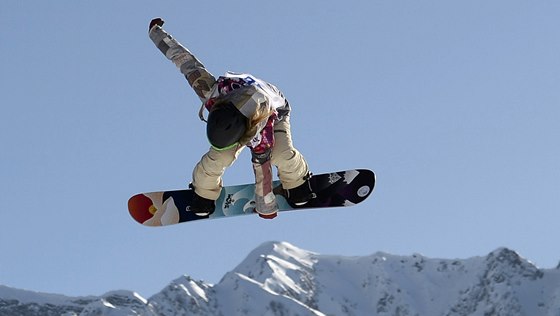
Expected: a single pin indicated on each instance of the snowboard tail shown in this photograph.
(336, 189)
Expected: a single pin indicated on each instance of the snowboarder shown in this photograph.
(243, 111)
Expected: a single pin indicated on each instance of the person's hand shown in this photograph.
(154, 22)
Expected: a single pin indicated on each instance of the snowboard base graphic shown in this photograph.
(336, 189)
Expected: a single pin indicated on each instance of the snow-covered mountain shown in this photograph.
(278, 278)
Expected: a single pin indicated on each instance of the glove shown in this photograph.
(154, 22)
(266, 206)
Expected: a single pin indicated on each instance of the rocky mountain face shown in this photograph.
(278, 278)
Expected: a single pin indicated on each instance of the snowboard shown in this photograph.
(335, 189)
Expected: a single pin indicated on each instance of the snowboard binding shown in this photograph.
(201, 206)
(299, 196)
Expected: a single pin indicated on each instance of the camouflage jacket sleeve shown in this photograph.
(194, 71)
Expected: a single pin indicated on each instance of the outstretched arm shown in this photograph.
(194, 71)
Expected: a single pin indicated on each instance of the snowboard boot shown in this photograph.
(300, 195)
(202, 206)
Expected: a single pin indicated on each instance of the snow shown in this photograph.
(278, 278)
(23, 296)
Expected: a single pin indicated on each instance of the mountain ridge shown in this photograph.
(278, 278)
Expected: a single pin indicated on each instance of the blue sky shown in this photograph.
(454, 104)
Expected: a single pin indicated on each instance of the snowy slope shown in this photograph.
(280, 279)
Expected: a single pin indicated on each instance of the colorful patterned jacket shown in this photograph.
(208, 88)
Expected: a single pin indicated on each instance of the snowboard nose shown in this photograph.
(141, 208)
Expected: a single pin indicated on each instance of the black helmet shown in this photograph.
(226, 125)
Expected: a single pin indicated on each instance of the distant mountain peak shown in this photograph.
(278, 278)
(507, 263)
